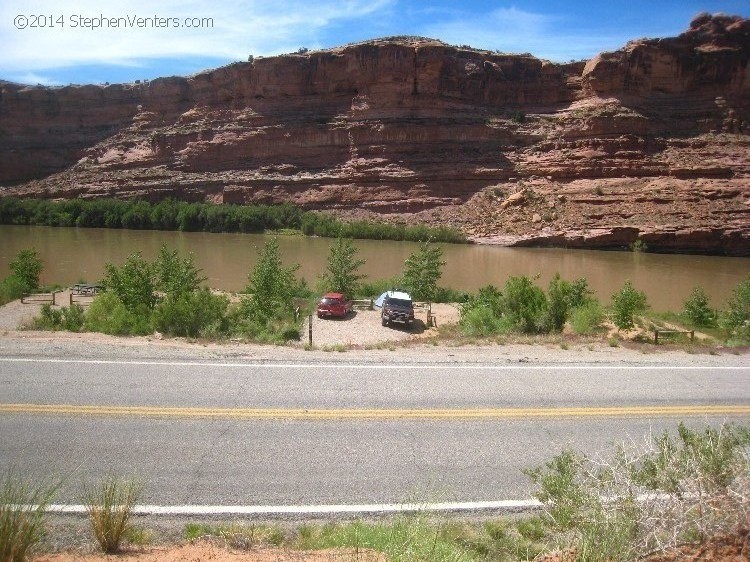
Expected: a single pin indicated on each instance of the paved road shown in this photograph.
(336, 433)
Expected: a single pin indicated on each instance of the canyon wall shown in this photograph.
(651, 141)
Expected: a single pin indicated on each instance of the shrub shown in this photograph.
(736, 318)
(625, 303)
(481, 314)
(107, 314)
(175, 276)
(643, 499)
(11, 288)
(481, 321)
(22, 510)
(191, 313)
(65, 318)
(525, 304)
(110, 504)
(133, 283)
(696, 309)
(586, 319)
(422, 271)
(26, 268)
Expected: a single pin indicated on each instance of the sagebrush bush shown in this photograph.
(647, 498)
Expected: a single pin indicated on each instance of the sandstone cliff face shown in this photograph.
(649, 141)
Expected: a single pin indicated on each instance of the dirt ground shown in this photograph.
(205, 550)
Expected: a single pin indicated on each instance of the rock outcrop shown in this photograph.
(651, 141)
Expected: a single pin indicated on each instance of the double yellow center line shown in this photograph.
(376, 414)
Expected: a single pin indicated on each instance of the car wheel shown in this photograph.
(320, 315)
(384, 320)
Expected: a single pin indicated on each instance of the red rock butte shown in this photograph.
(650, 141)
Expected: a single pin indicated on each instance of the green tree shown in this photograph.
(133, 283)
(341, 275)
(736, 318)
(422, 270)
(26, 268)
(175, 276)
(696, 308)
(271, 286)
(625, 303)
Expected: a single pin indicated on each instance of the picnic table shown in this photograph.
(85, 289)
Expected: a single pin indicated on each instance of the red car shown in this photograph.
(334, 304)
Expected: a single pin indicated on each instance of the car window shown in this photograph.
(330, 301)
(399, 302)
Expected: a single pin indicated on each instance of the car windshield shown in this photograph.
(330, 301)
(399, 302)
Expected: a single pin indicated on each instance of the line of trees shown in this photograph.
(171, 214)
(167, 295)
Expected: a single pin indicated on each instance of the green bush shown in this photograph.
(107, 314)
(587, 318)
(696, 309)
(64, 318)
(481, 321)
(191, 314)
(133, 283)
(174, 276)
(11, 289)
(625, 303)
(26, 268)
(736, 318)
(525, 304)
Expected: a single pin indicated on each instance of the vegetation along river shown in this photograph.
(79, 254)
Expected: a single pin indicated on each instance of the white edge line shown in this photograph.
(504, 505)
(391, 366)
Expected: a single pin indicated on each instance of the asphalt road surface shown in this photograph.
(223, 433)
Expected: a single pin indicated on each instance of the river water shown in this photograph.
(79, 254)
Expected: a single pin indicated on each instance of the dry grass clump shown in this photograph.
(110, 503)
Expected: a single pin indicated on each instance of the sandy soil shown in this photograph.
(205, 550)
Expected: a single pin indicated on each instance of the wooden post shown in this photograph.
(70, 296)
(656, 337)
(309, 330)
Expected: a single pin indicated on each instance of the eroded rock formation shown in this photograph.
(651, 141)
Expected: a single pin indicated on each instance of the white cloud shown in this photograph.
(33, 78)
(238, 28)
(513, 30)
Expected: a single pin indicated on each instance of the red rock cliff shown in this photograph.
(650, 141)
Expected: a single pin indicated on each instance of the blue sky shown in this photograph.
(64, 47)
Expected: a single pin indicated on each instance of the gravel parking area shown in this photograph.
(363, 328)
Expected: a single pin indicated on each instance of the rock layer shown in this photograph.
(650, 141)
